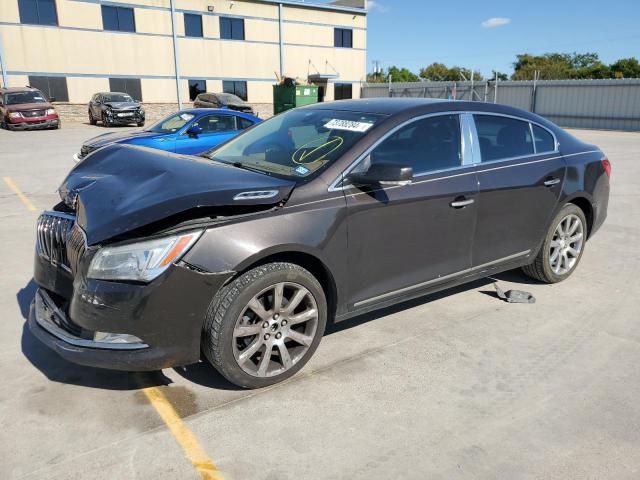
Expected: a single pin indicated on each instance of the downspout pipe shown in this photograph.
(281, 37)
(176, 59)
(3, 65)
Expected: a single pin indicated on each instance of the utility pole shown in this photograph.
(495, 92)
(176, 60)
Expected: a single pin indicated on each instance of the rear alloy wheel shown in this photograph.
(264, 326)
(562, 248)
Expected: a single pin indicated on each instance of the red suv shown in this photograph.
(26, 108)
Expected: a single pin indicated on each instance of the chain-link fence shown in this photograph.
(601, 104)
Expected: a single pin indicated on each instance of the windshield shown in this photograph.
(297, 143)
(116, 97)
(24, 97)
(171, 124)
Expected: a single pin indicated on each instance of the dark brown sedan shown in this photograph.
(319, 214)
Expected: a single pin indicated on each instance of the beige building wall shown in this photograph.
(80, 50)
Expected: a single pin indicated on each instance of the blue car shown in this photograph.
(189, 132)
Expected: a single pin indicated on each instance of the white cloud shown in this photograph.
(496, 22)
(375, 5)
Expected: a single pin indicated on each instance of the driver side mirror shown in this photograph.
(194, 131)
(383, 173)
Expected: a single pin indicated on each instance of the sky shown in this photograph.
(487, 35)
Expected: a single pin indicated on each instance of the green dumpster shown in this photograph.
(286, 98)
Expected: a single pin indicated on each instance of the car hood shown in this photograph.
(28, 106)
(122, 105)
(114, 137)
(121, 188)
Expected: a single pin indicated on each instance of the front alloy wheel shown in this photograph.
(263, 327)
(275, 330)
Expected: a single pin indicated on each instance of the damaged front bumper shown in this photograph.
(122, 325)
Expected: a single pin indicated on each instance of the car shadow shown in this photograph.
(57, 369)
(399, 307)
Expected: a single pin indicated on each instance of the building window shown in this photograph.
(196, 87)
(132, 86)
(343, 37)
(52, 87)
(38, 12)
(232, 28)
(192, 25)
(118, 19)
(239, 89)
(342, 91)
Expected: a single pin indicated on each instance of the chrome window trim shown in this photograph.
(334, 187)
(442, 278)
(436, 179)
(466, 116)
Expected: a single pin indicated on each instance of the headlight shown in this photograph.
(51, 111)
(141, 261)
(141, 111)
(15, 115)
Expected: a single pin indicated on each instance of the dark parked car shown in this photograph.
(189, 131)
(26, 108)
(115, 108)
(314, 216)
(222, 100)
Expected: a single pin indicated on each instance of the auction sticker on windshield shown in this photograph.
(349, 125)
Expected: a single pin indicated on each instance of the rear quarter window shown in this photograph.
(543, 139)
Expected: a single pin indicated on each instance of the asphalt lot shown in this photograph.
(455, 385)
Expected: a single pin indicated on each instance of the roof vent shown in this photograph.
(257, 195)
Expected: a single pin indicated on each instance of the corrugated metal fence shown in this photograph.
(602, 104)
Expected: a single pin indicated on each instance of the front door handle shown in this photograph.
(462, 203)
(551, 182)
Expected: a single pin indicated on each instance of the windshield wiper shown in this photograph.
(235, 164)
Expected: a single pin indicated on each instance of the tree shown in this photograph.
(402, 75)
(439, 72)
(503, 77)
(625, 68)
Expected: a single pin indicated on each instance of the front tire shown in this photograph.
(264, 326)
(562, 248)
(92, 121)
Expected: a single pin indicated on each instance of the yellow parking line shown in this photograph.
(23, 198)
(187, 440)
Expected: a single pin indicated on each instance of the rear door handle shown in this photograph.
(551, 182)
(461, 203)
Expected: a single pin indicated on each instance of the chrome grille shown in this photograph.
(76, 247)
(33, 113)
(52, 231)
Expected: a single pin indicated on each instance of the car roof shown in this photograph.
(116, 93)
(412, 107)
(18, 89)
(225, 111)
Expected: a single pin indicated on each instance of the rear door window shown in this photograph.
(503, 137)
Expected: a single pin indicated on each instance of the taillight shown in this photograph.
(606, 164)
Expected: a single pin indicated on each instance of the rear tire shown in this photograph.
(264, 326)
(562, 248)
